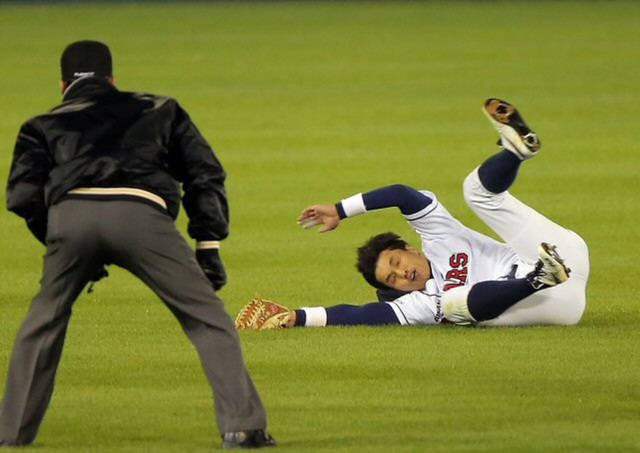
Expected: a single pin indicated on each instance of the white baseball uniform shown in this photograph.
(461, 257)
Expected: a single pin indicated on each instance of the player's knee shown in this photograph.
(580, 265)
(574, 307)
(454, 306)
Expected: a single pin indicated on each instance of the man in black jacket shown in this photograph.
(97, 180)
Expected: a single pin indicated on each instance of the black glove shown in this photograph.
(99, 275)
(211, 264)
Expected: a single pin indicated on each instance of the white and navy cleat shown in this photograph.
(550, 269)
(515, 135)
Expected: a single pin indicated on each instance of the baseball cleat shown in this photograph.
(262, 314)
(550, 269)
(515, 135)
(258, 438)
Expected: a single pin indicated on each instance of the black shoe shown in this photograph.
(247, 439)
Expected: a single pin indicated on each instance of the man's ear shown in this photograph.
(411, 249)
(63, 86)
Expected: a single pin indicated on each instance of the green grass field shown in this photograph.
(312, 102)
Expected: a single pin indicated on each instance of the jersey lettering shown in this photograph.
(459, 260)
(457, 276)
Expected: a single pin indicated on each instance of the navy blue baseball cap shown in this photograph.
(86, 59)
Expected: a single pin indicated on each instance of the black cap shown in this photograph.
(85, 58)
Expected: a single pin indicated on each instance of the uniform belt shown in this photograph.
(119, 191)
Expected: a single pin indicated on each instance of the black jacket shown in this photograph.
(102, 137)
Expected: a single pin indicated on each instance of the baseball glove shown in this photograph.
(262, 314)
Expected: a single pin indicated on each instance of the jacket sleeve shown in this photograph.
(202, 178)
(29, 173)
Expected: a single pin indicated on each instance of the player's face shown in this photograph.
(403, 269)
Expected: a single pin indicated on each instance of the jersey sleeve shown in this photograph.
(403, 197)
(434, 222)
(417, 307)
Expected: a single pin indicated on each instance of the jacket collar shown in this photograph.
(87, 87)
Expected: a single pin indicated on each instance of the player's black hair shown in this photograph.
(368, 255)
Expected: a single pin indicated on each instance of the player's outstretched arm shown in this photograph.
(405, 198)
(262, 314)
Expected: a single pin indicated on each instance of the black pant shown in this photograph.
(85, 234)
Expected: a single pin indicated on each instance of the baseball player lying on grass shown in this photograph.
(462, 276)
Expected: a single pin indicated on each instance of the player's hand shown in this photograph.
(320, 214)
(211, 264)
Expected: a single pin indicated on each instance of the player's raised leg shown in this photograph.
(520, 226)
